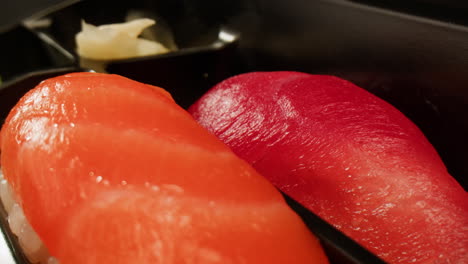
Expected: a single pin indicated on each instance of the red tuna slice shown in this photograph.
(348, 156)
(109, 170)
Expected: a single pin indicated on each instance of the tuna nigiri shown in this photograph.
(109, 170)
(348, 156)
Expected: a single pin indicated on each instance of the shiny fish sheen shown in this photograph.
(347, 155)
(109, 170)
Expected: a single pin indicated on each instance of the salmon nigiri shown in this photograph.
(348, 156)
(109, 170)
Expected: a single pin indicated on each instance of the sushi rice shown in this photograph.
(31, 244)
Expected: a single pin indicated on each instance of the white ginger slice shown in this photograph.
(116, 41)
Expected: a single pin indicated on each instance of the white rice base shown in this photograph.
(32, 246)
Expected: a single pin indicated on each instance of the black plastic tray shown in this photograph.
(23, 51)
(402, 58)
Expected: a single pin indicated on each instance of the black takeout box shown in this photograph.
(415, 61)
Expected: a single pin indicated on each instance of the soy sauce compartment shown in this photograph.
(22, 51)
